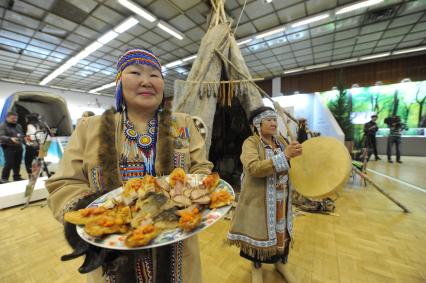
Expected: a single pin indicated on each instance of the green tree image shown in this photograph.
(408, 100)
(421, 101)
(341, 109)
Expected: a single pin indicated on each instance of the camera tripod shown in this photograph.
(38, 165)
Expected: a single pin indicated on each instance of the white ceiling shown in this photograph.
(38, 36)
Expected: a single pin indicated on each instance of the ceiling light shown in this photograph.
(409, 50)
(271, 32)
(138, 10)
(310, 20)
(12, 80)
(78, 90)
(268, 1)
(174, 63)
(107, 37)
(56, 73)
(88, 50)
(58, 87)
(375, 56)
(127, 24)
(344, 61)
(170, 30)
(293, 71)
(102, 87)
(357, 6)
(189, 58)
(71, 62)
(130, 22)
(244, 41)
(317, 66)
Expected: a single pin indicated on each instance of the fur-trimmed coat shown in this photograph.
(94, 149)
(254, 222)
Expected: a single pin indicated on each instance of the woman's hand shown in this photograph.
(293, 149)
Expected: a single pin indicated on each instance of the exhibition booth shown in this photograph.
(405, 99)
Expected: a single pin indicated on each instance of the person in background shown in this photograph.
(302, 131)
(32, 140)
(396, 127)
(370, 130)
(11, 139)
(262, 223)
(87, 114)
(105, 151)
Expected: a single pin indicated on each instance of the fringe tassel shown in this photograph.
(209, 89)
(225, 91)
(256, 252)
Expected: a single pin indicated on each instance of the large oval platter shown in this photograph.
(116, 241)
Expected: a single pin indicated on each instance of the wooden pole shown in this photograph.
(363, 175)
(220, 82)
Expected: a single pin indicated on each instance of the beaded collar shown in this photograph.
(142, 145)
(143, 141)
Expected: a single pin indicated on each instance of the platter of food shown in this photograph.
(152, 211)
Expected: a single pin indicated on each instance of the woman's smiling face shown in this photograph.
(268, 126)
(143, 87)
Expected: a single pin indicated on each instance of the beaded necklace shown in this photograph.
(142, 145)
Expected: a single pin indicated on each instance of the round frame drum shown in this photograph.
(323, 167)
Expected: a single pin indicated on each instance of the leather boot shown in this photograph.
(283, 269)
(256, 274)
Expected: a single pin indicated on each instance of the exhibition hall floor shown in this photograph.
(369, 240)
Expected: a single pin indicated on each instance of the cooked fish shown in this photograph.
(182, 200)
(202, 200)
(151, 204)
(162, 184)
(167, 219)
(198, 193)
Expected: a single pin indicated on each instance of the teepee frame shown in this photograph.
(204, 88)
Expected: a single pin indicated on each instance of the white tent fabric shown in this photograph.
(218, 57)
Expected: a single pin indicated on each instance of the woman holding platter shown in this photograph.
(105, 151)
(262, 223)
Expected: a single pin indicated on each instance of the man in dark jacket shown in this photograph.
(11, 139)
(370, 130)
(396, 127)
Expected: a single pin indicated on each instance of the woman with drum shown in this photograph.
(143, 137)
(262, 224)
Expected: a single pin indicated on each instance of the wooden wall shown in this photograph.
(389, 71)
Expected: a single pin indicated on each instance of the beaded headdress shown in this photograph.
(264, 115)
(132, 56)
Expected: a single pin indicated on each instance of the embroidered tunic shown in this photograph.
(83, 170)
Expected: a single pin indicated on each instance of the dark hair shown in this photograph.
(11, 113)
(256, 112)
(372, 116)
(88, 114)
(33, 118)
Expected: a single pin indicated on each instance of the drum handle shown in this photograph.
(281, 112)
(284, 139)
